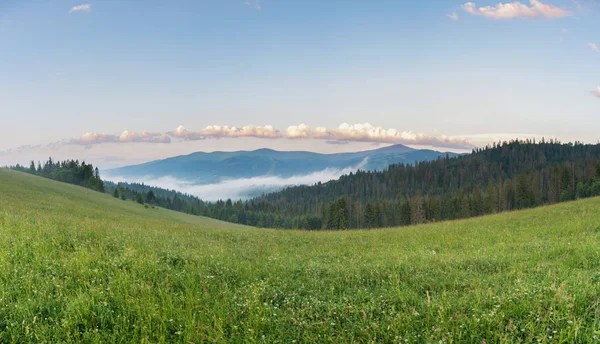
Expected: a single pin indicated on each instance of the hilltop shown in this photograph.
(78, 265)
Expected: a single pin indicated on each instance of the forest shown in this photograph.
(501, 177)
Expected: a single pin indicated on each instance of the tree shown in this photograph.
(417, 211)
(139, 199)
(405, 213)
(32, 167)
(338, 215)
(116, 193)
(524, 194)
(150, 198)
(370, 220)
(491, 199)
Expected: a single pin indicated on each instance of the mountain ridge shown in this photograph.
(211, 167)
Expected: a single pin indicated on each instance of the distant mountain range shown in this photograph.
(261, 170)
(209, 168)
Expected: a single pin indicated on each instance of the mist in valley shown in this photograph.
(242, 188)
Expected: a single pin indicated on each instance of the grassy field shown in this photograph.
(79, 266)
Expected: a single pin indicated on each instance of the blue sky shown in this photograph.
(68, 68)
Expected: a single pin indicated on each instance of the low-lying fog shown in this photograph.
(243, 188)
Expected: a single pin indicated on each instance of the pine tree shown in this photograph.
(417, 211)
(405, 213)
(491, 199)
(369, 216)
(150, 198)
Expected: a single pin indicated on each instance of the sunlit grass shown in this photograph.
(76, 265)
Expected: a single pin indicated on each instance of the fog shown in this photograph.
(243, 188)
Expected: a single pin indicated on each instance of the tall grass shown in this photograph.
(80, 266)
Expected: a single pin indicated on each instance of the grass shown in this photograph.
(79, 266)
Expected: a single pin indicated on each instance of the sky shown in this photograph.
(118, 82)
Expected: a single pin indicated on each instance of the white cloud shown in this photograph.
(92, 138)
(596, 92)
(453, 16)
(321, 133)
(144, 136)
(182, 133)
(369, 133)
(253, 3)
(81, 8)
(266, 131)
(594, 47)
(578, 4)
(297, 132)
(517, 10)
(344, 133)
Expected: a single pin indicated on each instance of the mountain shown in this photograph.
(208, 168)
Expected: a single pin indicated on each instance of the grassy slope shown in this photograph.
(76, 265)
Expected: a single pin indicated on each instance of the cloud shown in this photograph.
(369, 133)
(596, 92)
(253, 4)
(297, 132)
(81, 8)
(182, 133)
(578, 4)
(453, 16)
(144, 136)
(594, 47)
(343, 134)
(92, 138)
(517, 10)
(266, 131)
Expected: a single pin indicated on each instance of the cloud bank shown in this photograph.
(517, 10)
(266, 131)
(92, 138)
(81, 8)
(360, 132)
(369, 133)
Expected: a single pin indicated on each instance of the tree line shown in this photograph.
(67, 171)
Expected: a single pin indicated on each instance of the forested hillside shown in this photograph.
(68, 171)
(502, 177)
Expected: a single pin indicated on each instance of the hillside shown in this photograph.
(77, 265)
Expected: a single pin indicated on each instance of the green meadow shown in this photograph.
(81, 266)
